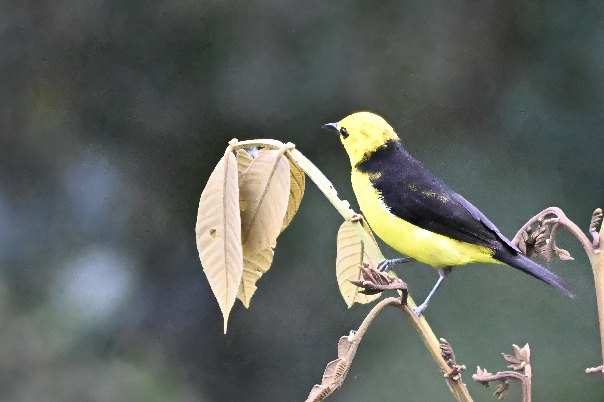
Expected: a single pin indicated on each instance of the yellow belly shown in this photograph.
(413, 241)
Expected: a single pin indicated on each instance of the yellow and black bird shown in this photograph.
(416, 213)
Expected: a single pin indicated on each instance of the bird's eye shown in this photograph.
(344, 133)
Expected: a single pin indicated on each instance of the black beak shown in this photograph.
(332, 126)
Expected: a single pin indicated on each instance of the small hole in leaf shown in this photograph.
(213, 233)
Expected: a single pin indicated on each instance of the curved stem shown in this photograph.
(390, 301)
(594, 250)
(562, 220)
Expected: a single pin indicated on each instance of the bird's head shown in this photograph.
(361, 133)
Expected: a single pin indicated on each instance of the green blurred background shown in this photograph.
(113, 115)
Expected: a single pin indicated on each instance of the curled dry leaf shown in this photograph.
(264, 192)
(254, 265)
(520, 358)
(594, 227)
(296, 192)
(336, 370)
(502, 390)
(596, 220)
(351, 256)
(375, 282)
(244, 160)
(218, 233)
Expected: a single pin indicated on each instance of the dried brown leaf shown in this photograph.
(218, 233)
(336, 370)
(596, 219)
(264, 191)
(318, 393)
(502, 390)
(595, 225)
(375, 282)
(520, 358)
(522, 244)
(254, 266)
(296, 192)
(244, 160)
(344, 345)
(351, 255)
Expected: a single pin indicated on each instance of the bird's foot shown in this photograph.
(419, 309)
(386, 265)
(442, 274)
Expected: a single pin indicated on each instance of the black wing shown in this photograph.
(415, 194)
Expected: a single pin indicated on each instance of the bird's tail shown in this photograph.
(530, 267)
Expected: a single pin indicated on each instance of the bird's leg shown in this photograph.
(386, 265)
(442, 274)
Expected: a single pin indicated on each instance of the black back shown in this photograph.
(416, 195)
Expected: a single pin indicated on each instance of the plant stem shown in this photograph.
(526, 384)
(458, 388)
(597, 264)
(594, 250)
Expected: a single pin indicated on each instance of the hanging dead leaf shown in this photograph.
(296, 191)
(351, 255)
(244, 160)
(218, 232)
(264, 192)
(253, 267)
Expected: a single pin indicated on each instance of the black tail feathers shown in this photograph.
(530, 267)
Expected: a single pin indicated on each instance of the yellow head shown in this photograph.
(362, 133)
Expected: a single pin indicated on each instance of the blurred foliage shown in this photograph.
(113, 114)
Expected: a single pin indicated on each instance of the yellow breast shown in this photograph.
(425, 246)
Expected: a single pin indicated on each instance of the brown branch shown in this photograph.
(520, 362)
(548, 222)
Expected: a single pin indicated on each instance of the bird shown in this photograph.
(416, 213)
